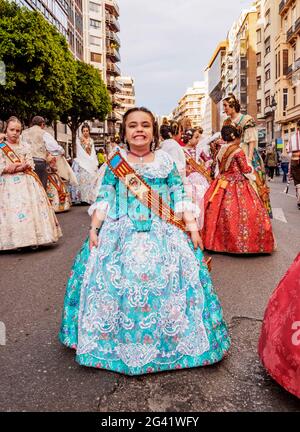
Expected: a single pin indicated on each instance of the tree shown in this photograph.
(40, 68)
(90, 99)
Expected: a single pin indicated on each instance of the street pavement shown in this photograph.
(37, 373)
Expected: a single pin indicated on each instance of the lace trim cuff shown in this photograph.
(102, 206)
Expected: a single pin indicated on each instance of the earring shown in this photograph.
(153, 146)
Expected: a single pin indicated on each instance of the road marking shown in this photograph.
(278, 214)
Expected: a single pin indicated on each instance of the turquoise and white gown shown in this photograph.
(143, 300)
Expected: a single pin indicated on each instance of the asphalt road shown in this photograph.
(37, 373)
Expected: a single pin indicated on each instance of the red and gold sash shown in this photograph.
(145, 194)
(54, 180)
(11, 155)
(198, 167)
(142, 191)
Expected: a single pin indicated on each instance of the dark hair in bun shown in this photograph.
(188, 135)
(230, 133)
(233, 102)
(165, 131)
(175, 128)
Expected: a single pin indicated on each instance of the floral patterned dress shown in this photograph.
(26, 216)
(249, 135)
(236, 220)
(142, 301)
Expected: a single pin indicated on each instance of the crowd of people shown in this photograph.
(140, 298)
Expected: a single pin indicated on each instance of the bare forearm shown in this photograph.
(251, 150)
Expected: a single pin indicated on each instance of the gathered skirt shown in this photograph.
(142, 302)
(26, 216)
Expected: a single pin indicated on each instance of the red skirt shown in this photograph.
(279, 343)
(236, 220)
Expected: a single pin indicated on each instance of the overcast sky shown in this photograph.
(166, 44)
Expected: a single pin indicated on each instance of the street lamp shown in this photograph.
(273, 106)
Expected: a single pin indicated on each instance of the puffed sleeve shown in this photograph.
(28, 155)
(245, 168)
(106, 198)
(180, 202)
(250, 134)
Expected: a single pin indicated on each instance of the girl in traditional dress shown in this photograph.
(26, 216)
(236, 221)
(279, 343)
(249, 144)
(171, 146)
(197, 176)
(140, 299)
(85, 166)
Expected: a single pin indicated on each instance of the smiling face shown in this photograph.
(13, 132)
(139, 130)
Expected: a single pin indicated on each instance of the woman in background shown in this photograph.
(85, 166)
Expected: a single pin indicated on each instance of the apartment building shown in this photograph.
(216, 76)
(101, 49)
(244, 62)
(287, 59)
(266, 32)
(125, 98)
(191, 104)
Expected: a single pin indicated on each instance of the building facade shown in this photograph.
(192, 104)
(125, 98)
(287, 52)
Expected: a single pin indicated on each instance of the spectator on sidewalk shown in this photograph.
(285, 162)
(271, 162)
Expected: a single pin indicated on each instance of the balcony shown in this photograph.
(289, 71)
(112, 22)
(297, 26)
(284, 6)
(112, 117)
(113, 69)
(291, 35)
(113, 54)
(113, 36)
(112, 7)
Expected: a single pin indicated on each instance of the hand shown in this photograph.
(93, 239)
(23, 167)
(196, 240)
(12, 168)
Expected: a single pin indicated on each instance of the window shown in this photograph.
(268, 73)
(95, 41)
(267, 99)
(267, 45)
(285, 54)
(258, 80)
(96, 57)
(95, 23)
(294, 96)
(258, 105)
(285, 100)
(258, 59)
(94, 7)
(258, 36)
(279, 64)
(268, 18)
